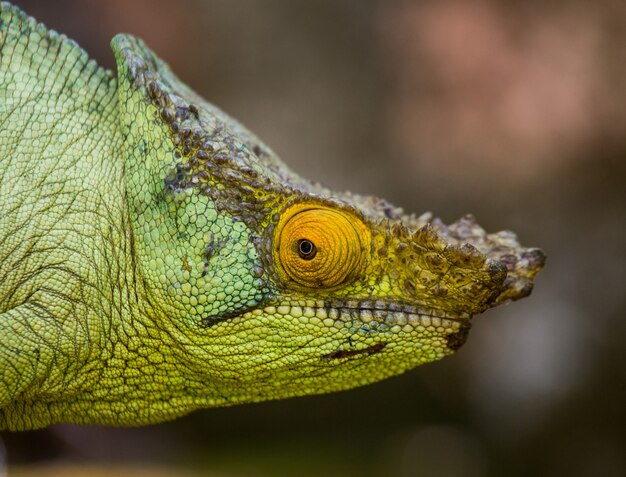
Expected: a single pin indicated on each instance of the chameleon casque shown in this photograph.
(156, 257)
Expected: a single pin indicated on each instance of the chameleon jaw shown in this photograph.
(391, 313)
(382, 321)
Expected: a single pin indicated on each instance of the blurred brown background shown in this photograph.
(512, 110)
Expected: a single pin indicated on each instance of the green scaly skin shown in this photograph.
(139, 276)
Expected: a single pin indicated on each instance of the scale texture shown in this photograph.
(156, 257)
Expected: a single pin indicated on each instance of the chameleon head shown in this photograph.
(353, 297)
(268, 285)
(359, 297)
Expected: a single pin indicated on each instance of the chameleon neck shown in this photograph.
(70, 291)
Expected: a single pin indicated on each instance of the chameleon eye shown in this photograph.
(318, 246)
(306, 249)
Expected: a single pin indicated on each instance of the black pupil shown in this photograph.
(306, 249)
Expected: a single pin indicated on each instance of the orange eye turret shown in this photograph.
(319, 246)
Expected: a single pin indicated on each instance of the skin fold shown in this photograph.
(156, 257)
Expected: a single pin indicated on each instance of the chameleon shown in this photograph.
(156, 257)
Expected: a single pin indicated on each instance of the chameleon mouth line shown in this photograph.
(402, 317)
(395, 307)
(371, 312)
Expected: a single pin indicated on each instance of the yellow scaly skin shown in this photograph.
(156, 257)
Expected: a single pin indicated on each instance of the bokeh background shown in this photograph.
(512, 110)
